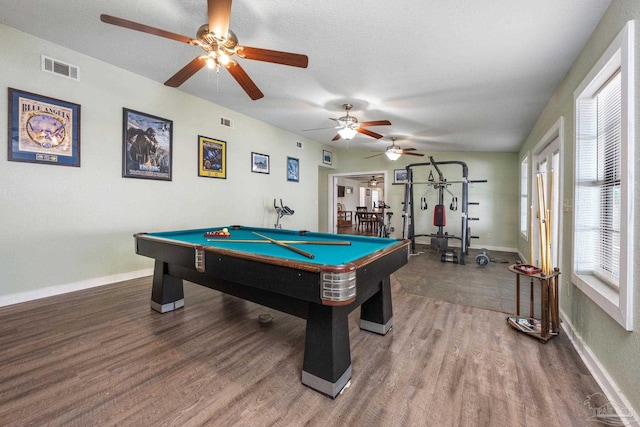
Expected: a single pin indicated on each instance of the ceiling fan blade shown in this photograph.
(376, 123)
(413, 154)
(337, 137)
(219, 12)
(143, 28)
(408, 149)
(330, 127)
(186, 72)
(375, 155)
(369, 133)
(244, 80)
(274, 56)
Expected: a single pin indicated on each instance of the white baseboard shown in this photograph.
(617, 399)
(71, 287)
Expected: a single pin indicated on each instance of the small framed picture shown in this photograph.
(259, 163)
(293, 169)
(147, 146)
(43, 130)
(212, 157)
(327, 157)
(399, 176)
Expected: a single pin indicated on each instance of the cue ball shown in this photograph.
(225, 230)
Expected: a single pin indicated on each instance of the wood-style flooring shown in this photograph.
(102, 357)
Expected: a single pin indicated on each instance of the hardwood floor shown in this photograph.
(102, 357)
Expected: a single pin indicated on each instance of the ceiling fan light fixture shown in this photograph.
(347, 133)
(223, 59)
(211, 63)
(373, 182)
(393, 153)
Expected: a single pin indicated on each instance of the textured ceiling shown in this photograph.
(462, 75)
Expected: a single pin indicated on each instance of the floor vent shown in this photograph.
(228, 123)
(55, 66)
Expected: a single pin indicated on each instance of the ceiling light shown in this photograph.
(211, 63)
(393, 153)
(347, 133)
(373, 182)
(223, 59)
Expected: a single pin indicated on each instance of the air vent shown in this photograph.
(60, 68)
(299, 145)
(228, 123)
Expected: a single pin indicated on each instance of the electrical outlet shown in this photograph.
(489, 236)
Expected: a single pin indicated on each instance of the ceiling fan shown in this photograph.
(349, 126)
(219, 44)
(394, 151)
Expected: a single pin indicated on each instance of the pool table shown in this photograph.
(336, 274)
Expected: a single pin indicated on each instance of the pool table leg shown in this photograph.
(327, 356)
(167, 293)
(376, 314)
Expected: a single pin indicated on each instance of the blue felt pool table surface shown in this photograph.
(359, 246)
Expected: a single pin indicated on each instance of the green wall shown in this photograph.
(614, 348)
(65, 228)
(498, 198)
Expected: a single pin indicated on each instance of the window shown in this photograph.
(603, 180)
(524, 206)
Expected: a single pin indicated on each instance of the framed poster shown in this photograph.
(43, 130)
(259, 163)
(327, 157)
(212, 157)
(399, 176)
(147, 146)
(293, 169)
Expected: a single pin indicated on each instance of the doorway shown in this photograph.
(357, 192)
(547, 164)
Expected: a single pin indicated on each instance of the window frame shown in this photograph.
(617, 303)
(524, 197)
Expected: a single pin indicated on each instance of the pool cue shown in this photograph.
(284, 245)
(296, 242)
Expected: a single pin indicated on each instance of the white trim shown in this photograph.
(619, 54)
(527, 233)
(556, 131)
(599, 373)
(331, 191)
(71, 287)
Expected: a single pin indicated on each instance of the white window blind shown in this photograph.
(524, 185)
(598, 183)
(603, 223)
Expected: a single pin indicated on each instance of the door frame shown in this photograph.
(555, 135)
(332, 194)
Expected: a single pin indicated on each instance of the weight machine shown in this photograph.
(281, 210)
(439, 240)
(384, 228)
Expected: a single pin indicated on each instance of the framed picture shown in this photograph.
(43, 129)
(327, 157)
(293, 169)
(259, 163)
(147, 146)
(212, 157)
(399, 176)
(349, 190)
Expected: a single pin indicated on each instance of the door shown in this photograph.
(547, 167)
